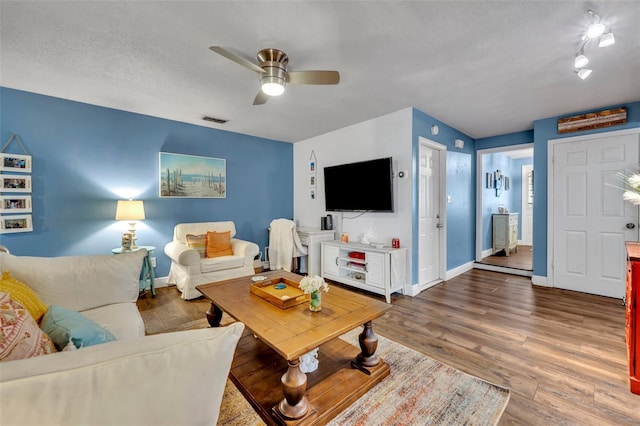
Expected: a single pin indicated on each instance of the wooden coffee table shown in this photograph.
(276, 338)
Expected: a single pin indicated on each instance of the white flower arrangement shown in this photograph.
(310, 284)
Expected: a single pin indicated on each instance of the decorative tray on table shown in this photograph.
(281, 292)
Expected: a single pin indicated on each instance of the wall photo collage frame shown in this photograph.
(15, 190)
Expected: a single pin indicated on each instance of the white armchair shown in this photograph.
(189, 269)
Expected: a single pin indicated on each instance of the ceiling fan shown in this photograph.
(272, 68)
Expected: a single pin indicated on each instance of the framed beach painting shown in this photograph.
(192, 176)
(15, 204)
(17, 223)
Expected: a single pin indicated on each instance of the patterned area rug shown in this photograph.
(423, 390)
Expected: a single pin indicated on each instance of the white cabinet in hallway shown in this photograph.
(505, 232)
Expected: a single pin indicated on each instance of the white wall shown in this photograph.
(386, 136)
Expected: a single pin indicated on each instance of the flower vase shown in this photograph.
(315, 301)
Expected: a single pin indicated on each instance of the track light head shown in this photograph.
(607, 39)
(580, 60)
(583, 73)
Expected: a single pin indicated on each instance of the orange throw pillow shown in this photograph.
(218, 244)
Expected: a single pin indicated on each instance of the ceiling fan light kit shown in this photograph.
(595, 30)
(272, 67)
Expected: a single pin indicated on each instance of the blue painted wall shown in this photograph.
(86, 157)
(544, 130)
(461, 183)
(511, 199)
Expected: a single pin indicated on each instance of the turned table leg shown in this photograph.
(368, 344)
(214, 315)
(294, 384)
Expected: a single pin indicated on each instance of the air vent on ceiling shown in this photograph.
(215, 120)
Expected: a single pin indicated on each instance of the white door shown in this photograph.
(589, 215)
(431, 216)
(527, 206)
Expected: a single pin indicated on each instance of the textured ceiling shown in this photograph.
(485, 68)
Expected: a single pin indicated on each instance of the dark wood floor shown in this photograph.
(561, 353)
(522, 259)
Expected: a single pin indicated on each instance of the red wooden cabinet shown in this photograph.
(632, 330)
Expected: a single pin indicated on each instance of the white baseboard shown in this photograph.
(486, 253)
(161, 282)
(458, 270)
(541, 281)
(415, 289)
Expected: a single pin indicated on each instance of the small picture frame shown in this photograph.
(15, 163)
(15, 204)
(488, 180)
(312, 180)
(312, 194)
(17, 223)
(15, 183)
(506, 183)
(312, 162)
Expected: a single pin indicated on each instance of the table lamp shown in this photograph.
(130, 211)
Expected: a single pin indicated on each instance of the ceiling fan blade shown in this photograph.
(314, 77)
(261, 98)
(237, 57)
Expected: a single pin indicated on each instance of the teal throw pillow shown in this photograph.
(64, 325)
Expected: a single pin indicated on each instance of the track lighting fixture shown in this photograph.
(596, 30)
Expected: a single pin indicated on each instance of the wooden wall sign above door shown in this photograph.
(593, 120)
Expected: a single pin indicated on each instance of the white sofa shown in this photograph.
(189, 270)
(166, 379)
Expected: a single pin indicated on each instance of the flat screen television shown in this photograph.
(365, 186)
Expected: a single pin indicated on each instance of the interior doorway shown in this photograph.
(431, 213)
(505, 186)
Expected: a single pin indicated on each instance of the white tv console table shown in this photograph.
(378, 270)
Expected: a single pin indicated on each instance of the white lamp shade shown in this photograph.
(130, 210)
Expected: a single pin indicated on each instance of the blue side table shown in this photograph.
(147, 275)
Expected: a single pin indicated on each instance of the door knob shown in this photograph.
(630, 225)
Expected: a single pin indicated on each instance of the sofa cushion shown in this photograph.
(20, 336)
(64, 325)
(218, 244)
(198, 242)
(108, 384)
(221, 263)
(79, 282)
(23, 294)
(123, 320)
